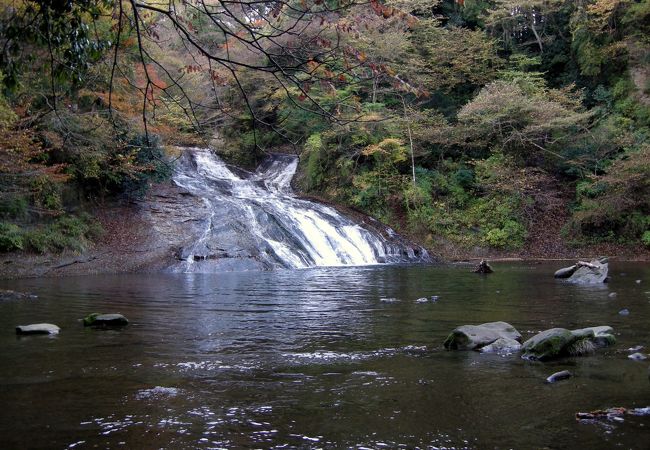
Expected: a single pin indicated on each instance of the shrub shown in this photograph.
(11, 237)
(646, 238)
(14, 207)
(510, 236)
(65, 233)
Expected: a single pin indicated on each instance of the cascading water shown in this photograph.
(256, 222)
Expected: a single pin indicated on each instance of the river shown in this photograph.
(318, 358)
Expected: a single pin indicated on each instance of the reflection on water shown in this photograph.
(331, 357)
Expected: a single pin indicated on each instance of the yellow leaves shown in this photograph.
(389, 150)
(601, 12)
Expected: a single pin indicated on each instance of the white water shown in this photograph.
(263, 212)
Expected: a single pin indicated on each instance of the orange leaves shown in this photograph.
(388, 12)
(147, 78)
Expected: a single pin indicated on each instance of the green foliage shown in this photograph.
(510, 236)
(317, 162)
(11, 237)
(13, 207)
(645, 239)
(65, 233)
(46, 194)
(7, 115)
(150, 166)
(615, 205)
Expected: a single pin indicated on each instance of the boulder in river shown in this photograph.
(584, 272)
(558, 342)
(38, 328)
(474, 337)
(105, 320)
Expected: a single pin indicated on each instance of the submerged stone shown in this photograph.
(471, 337)
(38, 328)
(502, 345)
(638, 356)
(105, 320)
(557, 376)
(15, 295)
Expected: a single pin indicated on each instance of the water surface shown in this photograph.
(317, 358)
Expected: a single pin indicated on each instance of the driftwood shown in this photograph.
(615, 414)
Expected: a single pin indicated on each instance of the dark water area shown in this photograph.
(318, 358)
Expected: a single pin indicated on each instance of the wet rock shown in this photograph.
(639, 411)
(565, 272)
(557, 376)
(624, 312)
(483, 267)
(422, 300)
(612, 295)
(502, 346)
(583, 272)
(548, 344)
(38, 328)
(638, 356)
(14, 295)
(558, 342)
(636, 348)
(638, 281)
(471, 337)
(105, 320)
(600, 337)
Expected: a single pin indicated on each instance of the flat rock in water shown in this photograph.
(38, 328)
(473, 337)
(502, 345)
(105, 320)
(557, 376)
(637, 356)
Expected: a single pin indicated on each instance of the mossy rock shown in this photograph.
(558, 342)
(600, 337)
(105, 320)
(548, 344)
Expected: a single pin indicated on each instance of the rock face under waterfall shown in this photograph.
(253, 221)
(212, 218)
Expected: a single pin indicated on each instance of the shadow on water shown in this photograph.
(328, 357)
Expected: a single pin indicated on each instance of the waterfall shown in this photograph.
(257, 222)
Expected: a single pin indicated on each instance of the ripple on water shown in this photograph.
(157, 392)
